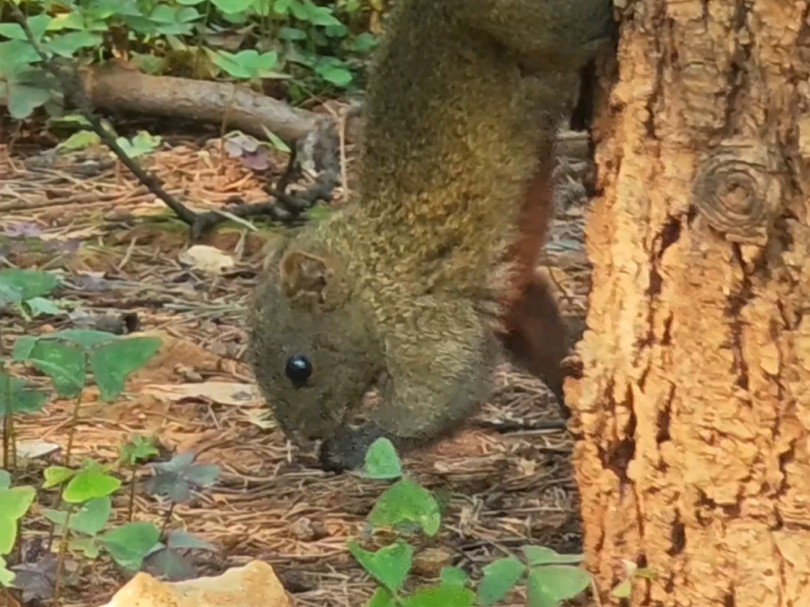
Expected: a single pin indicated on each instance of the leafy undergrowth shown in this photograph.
(190, 408)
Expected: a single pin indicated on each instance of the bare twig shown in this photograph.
(73, 90)
(288, 211)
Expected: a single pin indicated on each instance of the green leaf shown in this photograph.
(382, 461)
(89, 520)
(182, 540)
(149, 64)
(90, 483)
(292, 34)
(57, 517)
(56, 475)
(140, 448)
(202, 475)
(8, 535)
(8, 294)
(16, 396)
(548, 586)
(6, 575)
(23, 99)
(143, 143)
(540, 555)
(322, 16)
(86, 338)
(15, 55)
(39, 306)
(129, 544)
(381, 598)
(226, 62)
(282, 7)
(364, 43)
(406, 502)
(73, 20)
(276, 141)
(12, 31)
(66, 45)
(23, 347)
(338, 76)
(92, 517)
(80, 140)
(112, 363)
(39, 25)
(389, 565)
(88, 546)
(30, 283)
(622, 590)
(63, 363)
(170, 565)
(499, 578)
(454, 576)
(16, 501)
(232, 6)
(247, 64)
(441, 596)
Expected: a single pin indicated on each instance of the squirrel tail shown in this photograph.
(534, 331)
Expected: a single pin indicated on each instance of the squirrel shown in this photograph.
(416, 286)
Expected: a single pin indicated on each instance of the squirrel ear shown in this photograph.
(305, 277)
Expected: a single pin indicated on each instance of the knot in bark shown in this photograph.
(736, 190)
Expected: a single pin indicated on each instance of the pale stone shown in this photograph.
(254, 585)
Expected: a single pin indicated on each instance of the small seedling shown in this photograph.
(166, 559)
(175, 481)
(65, 356)
(624, 589)
(407, 507)
(140, 449)
(177, 478)
(14, 503)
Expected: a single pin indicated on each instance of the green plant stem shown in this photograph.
(8, 439)
(60, 562)
(131, 507)
(167, 519)
(201, 40)
(74, 422)
(8, 425)
(18, 551)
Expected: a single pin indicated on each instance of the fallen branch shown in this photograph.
(293, 206)
(118, 89)
(115, 88)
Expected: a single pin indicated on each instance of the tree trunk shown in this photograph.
(693, 410)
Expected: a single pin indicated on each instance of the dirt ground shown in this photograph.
(119, 249)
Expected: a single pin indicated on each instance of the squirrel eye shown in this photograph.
(298, 370)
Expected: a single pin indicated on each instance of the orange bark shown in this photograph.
(692, 416)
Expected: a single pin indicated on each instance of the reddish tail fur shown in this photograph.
(535, 334)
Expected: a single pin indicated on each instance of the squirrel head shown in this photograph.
(313, 352)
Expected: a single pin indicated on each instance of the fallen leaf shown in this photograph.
(206, 259)
(220, 392)
(35, 448)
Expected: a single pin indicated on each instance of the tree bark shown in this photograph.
(693, 410)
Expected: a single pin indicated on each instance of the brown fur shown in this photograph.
(404, 290)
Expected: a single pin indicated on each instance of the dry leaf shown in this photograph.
(207, 259)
